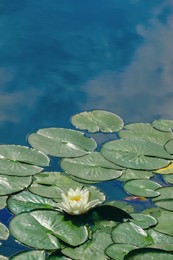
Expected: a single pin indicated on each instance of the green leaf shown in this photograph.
(165, 222)
(60, 256)
(166, 170)
(169, 146)
(142, 188)
(165, 199)
(163, 125)
(130, 174)
(136, 154)
(27, 201)
(118, 251)
(4, 233)
(149, 254)
(23, 154)
(160, 239)
(61, 142)
(11, 184)
(93, 249)
(3, 202)
(30, 255)
(92, 167)
(51, 184)
(142, 220)
(145, 131)
(98, 120)
(121, 205)
(168, 178)
(15, 168)
(42, 229)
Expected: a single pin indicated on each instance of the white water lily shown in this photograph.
(76, 202)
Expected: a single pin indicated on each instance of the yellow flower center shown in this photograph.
(76, 198)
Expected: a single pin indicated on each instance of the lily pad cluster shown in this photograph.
(63, 214)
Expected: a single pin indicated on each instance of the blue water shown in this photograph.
(61, 57)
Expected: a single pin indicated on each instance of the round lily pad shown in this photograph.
(27, 201)
(3, 202)
(92, 167)
(136, 154)
(43, 229)
(98, 120)
(160, 239)
(61, 142)
(148, 254)
(165, 170)
(145, 131)
(142, 220)
(165, 199)
(11, 184)
(169, 146)
(131, 234)
(92, 249)
(163, 125)
(118, 251)
(23, 154)
(130, 174)
(142, 188)
(165, 222)
(28, 255)
(168, 178)
(15, 168)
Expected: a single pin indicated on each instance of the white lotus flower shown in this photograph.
(76, 202)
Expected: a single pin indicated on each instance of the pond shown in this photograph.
(60, 58)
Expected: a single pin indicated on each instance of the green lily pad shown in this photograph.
(168, 178)
(130, 174)
(61, 142)
(4, 232)
(165, 222)
(118, 251)
(148, 254)
(136, 154)
(169, 146)
(59, 256)
(43, 229)
(145, 131)
(165, 199)
(11, 184)
(98, 120)
(15, 168)
(121, 205)
(164, 125)
(142, 220)
(142, 188)
(23, 154)
(51, 184)
(160, 239)
(92, 249)
(27, 201)
(92, 167)
(30, 255)
(3, 201)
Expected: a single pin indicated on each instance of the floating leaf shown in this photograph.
(131, 234)
(163, 125)
(149, 254)
(165, 222)
(118, 251)
(136, 154)
(15, 168)
(27, 201)
(165, 199)
(93, 249)
(145, 188)
(58, 256)
(168, 178)
(23, 154)
(30, 255)
(4, 233)
(160, 239)
(3, 202)
(51, 184)
(130, 174)
(61, 142)
(121, 205)
(92, 167)
(98, 120)
(42, 229)
(169, 146)
(11, 184)
(145, 131)
(142, 220)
